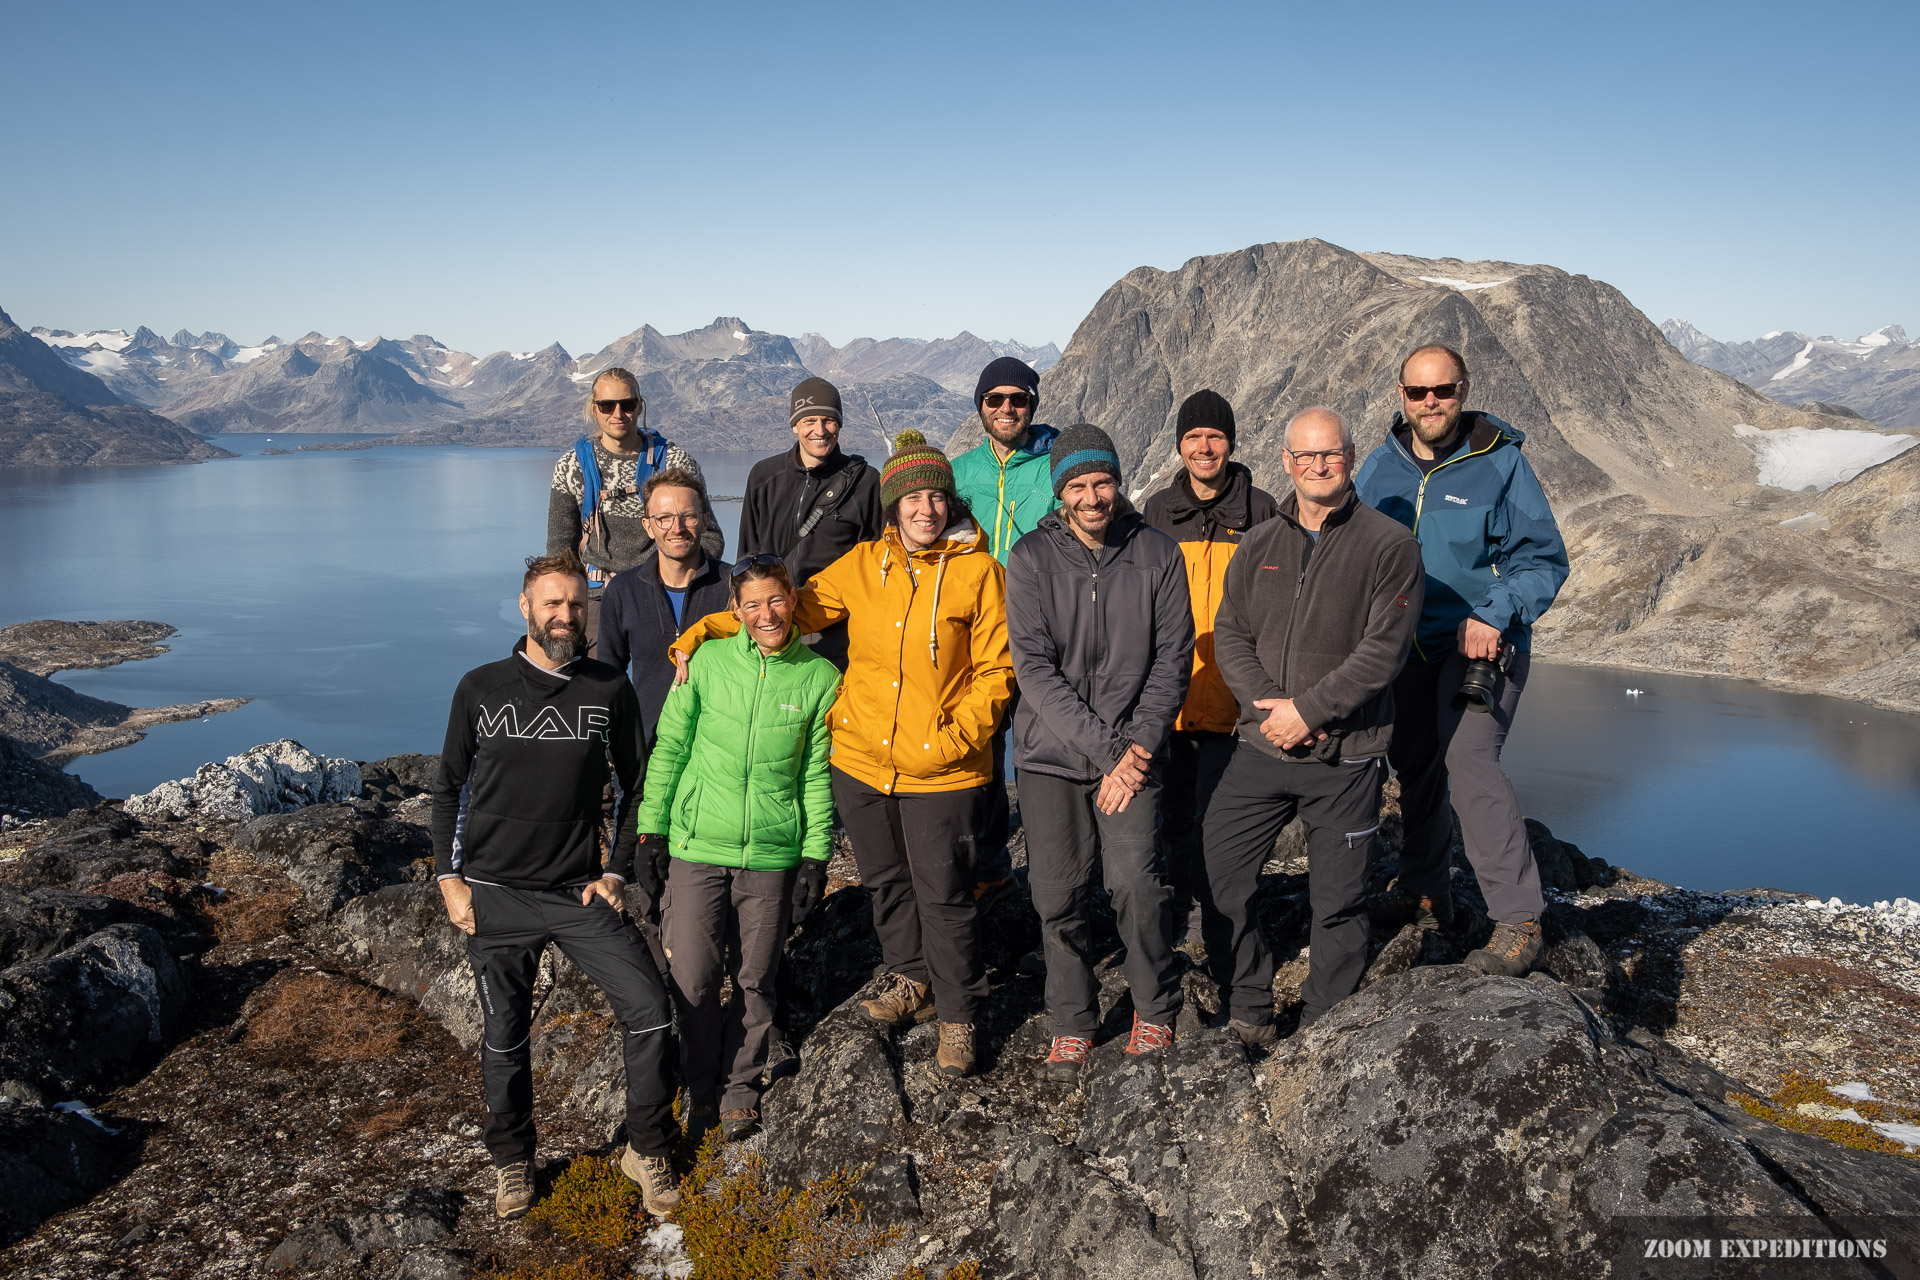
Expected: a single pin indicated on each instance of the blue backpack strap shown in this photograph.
(589, 478)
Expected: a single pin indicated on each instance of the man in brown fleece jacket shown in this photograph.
(1316, 614)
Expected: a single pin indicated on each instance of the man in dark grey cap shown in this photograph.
(1101, 628)
(813, 503)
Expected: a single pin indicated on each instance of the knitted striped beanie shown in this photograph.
(1080, 450)
(915, 464)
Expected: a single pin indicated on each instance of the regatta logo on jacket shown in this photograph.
(1461, 501)
(592, 722)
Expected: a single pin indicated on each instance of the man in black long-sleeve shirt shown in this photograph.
(516, 817)
(784, 491)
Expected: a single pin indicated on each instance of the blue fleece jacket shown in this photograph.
(1487, 536)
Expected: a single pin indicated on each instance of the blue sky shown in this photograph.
(508, 176)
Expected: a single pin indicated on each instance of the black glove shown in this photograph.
(649, 873)
(808, 886)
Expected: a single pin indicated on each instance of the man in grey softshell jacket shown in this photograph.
(1101, 628)
(1316, 613)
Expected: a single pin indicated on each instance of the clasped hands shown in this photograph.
(1283, 726)
(1124, 780)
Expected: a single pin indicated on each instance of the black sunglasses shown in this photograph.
(1018, 399)
(765, 560)
(1441, 391)
(608, 406)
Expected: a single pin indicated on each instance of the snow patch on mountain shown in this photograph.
(1464, 286)
(1818, 458)
(1800, 362)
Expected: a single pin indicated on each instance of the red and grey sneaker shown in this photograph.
(1070, 1053)
(1149, 1037)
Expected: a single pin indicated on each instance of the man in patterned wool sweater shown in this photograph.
(610, 532)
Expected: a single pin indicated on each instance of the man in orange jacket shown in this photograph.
(1209, 505)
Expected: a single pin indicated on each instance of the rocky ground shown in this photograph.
(279, 1032)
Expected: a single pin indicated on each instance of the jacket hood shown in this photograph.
(1483, 432)
(960, 538)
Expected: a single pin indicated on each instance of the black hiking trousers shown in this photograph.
(1257, 796)
(511, 928)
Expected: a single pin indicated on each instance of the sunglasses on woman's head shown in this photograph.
(765, 560)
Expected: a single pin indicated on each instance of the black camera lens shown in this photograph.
(1480, 685)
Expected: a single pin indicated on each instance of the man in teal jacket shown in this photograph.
(739, 788)
(1494, 561)
(1007, 482)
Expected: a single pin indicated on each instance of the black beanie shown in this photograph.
(1007, 371)
(1205, 408)
(1080, 450)
(816, 397)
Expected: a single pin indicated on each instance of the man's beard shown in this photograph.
(992, 429)
(561, 646)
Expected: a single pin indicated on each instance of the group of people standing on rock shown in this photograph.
(1170, 686)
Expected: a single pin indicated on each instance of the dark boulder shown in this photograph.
(92, 847)
(417, 1217)
(36, 923)
(32, 788)
(398, 778)
(1562, 865)
(92, 1016)
(334, 852)
(49, 1161)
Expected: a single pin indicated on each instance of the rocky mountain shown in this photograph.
(55, 414)
(1876, 375)
(723, 386)
(955, 363)
(1665, 475)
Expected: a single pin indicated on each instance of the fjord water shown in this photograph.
(345, 592)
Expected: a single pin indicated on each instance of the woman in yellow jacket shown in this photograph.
(928, 678)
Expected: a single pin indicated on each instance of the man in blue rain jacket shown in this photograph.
(1494, 561)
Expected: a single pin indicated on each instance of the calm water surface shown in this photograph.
(347, 592)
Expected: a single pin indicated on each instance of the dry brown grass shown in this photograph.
(320, 1017)
(387, 1120)
(248, 917)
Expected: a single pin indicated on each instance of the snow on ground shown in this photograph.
(1800, 362)
(1818, 458)
(1811, 520)
(246, 355)
(1463, 285)
(109, 339)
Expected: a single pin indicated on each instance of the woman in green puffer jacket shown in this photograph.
(737, 785)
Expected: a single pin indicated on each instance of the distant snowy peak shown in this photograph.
(1876, 375)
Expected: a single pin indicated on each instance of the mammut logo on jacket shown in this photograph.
(593, 723)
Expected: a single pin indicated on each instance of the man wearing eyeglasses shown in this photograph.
(1494, 563)
(644, 608)
(1317, 609)
(812, 504)
(1007, 482)
(594, 506)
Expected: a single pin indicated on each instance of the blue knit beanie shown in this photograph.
(1080, 450)
(1007, 371)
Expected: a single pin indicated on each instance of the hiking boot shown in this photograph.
(901, 1000)
(1148, 1037)
(782, 1061)
(1402, 907)
(1511, 952)
(513, 1190)
(1254, 1035)
(658, 1194)
(1070, 1053)
(955, 1056)
(740, 1122)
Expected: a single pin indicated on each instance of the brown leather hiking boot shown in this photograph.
(955, 1056)
(658, 1192)
(741, 1122)
(1511, 952)
(901, 999)
(513, 1190)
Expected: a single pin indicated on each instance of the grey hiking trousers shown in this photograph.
(1445, 755)
(720, 922)
(1068, 839)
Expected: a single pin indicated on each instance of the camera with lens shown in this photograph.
(1480, 686)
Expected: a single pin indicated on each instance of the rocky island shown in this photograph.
(242, 1041)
